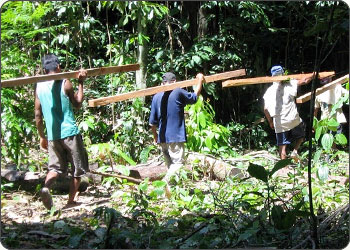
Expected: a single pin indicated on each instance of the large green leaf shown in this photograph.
(125, 157)
(258, 172)
(341, 139)
(332, 124)
(282, 220)
(317, 156)
(318, 133)
(327, 141)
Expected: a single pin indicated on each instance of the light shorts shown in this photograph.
(70, 149)
(285, 138)
(174, 153)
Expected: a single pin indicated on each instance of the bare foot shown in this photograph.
(72, 204)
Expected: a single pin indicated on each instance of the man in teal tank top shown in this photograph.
(54, 100)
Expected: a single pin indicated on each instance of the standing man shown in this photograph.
(282, 114)
(167, 113)
(54, 100)
(325, 102)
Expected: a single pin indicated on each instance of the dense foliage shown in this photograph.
(184, 37)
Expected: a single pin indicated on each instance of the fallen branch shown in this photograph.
(69, 75)
(168, 87)
(137, 181)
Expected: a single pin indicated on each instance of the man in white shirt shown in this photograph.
(282, 114)
(325, 102)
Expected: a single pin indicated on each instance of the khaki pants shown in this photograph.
(174, 155)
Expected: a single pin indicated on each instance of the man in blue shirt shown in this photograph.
(54, 100)
(167, 113)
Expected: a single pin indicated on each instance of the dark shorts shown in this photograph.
(285, 138)
(341, 128)
(70, 149)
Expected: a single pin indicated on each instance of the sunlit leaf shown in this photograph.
(327, 141)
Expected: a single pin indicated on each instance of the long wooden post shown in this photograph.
(268, 79)
(306, 97)
(157, 89)
(69, 75)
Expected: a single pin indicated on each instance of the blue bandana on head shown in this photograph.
(277, 70)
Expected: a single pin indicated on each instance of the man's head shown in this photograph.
(50, 63)
(277, 70)
(168, 77)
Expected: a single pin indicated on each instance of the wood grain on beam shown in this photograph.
(168, 87)
(69, 75)
(268, 79)
(306, 97)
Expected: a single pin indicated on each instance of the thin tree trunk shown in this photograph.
(110, 63)
(141, 55)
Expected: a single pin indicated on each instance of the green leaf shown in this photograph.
(74, 241)
(318, 133)
(258, 172)
(332, 124)
(341, 139)
(280, 164)
(322, 173)
(125, 157)
(145, 153)
(159, 184)
(202, 119)
(282, 220)
(208, 142)
(143, 186)
(59, 224)
(196, 59)
(123, 170)
(317, 156)
(327, 141)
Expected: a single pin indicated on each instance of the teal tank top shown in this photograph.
(57, 110)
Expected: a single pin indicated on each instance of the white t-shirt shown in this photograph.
(327, 99)
(279, 100)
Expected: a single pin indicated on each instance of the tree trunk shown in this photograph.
(141, 55)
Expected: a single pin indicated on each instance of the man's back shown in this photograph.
(168, 113)
(57, 110)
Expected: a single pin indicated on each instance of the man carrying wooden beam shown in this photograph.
(325, 102)
(54, 100)
(282, 114)
(167, 113)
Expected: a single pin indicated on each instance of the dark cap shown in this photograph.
(50, 62)
(169, 77)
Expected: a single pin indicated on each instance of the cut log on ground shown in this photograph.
(69, 75)
(328, 86)
(30, 180)
(215, 168)
(154, 172)
(269, 79)
(168, 87)
(134, 180)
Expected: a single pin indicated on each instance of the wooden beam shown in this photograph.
(69, 75)
(168, 87)
(306, 97)
(268, 79)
